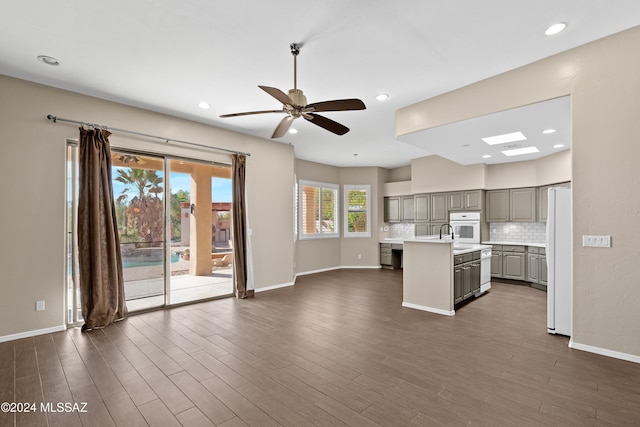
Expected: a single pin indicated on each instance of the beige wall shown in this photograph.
(323, 254)
(32, 183)
(433, 173)
(602, 79)
(533, 173)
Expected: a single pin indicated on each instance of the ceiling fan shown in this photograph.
(295, 105)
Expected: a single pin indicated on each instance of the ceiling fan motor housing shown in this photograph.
(297, 97)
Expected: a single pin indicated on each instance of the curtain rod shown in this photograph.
(56, 119)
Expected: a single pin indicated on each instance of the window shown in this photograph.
(318, 210)
(357, 208)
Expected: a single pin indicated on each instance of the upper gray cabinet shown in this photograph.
(408, 208)
(465, 200)
(439, 207)
(543, 200)
(422, 204)
(511, 205)
(392, 209)
(497, 206)
(523, 204)
(397, 209)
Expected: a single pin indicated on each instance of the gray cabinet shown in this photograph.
(392, 209)
(466, 276)
(465, 200)
(427, 228)
(390, 255)
(497, 206)
(523, 204)
(407, 211)
(473, 200)
(543, 270)
(543, 200)
(537, 267)
(533, 268)
(397, 209)
(511, 205)
(496, 263)
(513, 266)
(456, 201)
(439, 208)
(509, 262)
(421, 205)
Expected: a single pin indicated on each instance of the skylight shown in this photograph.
(504, 138)
(520, 151)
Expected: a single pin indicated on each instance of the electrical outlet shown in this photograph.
(39, 305)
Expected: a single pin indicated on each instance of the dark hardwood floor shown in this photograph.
(335, 349)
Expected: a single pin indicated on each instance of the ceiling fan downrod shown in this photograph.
(295, 50)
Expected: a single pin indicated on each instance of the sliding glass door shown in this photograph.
(200, 230)
(139, 192)
(174, 226)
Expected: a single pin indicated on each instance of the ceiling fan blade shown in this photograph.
(283, 127)
(277, 94)
(326, 123)
(337, 105)
(251, 112)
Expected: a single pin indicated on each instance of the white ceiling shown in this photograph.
(168, 55)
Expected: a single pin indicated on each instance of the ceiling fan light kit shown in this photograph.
(294, 104)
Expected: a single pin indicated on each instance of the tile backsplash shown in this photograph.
(525, 232)
(402, 230)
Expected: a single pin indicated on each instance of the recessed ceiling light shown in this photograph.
(505, 138)
(558, 146)
(520, 151)
(382, 96)
(293, 131)
(486, 156)
(49, 60)
(204, 105)
(555, 28)
(548, 131)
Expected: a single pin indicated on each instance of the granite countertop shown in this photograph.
(535, 245)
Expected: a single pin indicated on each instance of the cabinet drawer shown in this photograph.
(513, 248)
(458, 259)
(496, 248)
(533, 250)
(385, 258)
(385, 246)
(397, 246)
(542, 251)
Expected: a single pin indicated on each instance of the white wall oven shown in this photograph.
(466, 226)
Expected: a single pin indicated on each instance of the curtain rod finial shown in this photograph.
(54, 119)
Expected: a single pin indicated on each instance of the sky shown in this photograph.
(220, 187)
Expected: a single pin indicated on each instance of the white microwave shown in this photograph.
(466, 226)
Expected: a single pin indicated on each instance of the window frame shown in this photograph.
(356, 234)
(302, 183)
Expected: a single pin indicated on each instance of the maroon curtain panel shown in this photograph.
(100, 261)
(239, 162)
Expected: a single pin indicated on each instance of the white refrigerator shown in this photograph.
(559, 261)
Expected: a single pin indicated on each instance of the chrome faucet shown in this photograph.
(450, 228)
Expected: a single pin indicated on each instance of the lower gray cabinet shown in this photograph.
(466, 276)
(390, 255)
(514, 265)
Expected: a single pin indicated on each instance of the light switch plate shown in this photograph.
(596, 241)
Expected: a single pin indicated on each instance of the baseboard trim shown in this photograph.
(429, 309)
(322, 270)
(270, 288)
(604, 352)
(29, 334)
(370, 267)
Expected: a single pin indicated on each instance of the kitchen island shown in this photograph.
(428, 273)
